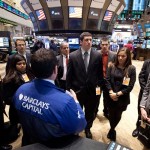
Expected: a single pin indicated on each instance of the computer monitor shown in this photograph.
(4, 42)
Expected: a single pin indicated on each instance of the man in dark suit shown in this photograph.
(84, 76)
(21, 49)
(62, 64)
(143, 77)
(108, 57)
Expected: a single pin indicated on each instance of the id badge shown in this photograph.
(126, 81)
(98, 90)
(25, 77)
(143, 124)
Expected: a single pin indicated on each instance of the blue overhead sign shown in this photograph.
(13, 10)
(147, 25)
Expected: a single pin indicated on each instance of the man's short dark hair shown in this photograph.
(43, 63)
(104, 39)
(85, 34)
(19, 40)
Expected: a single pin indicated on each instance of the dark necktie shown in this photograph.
(86, 60)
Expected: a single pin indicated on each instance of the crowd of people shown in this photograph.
(47, 94)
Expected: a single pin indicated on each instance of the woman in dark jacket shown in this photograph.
(17, 75)
(120, 80)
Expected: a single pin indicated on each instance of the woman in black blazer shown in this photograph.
(17, 75)
(120, 80)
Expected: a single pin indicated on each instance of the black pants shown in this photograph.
(114, 117)
(105, 101)
(138, 107)
(88, 100)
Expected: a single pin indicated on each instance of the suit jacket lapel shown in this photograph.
(61, 60)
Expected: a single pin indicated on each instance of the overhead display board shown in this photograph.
(75, 2)
(53, 3)
(56, 12)
(36, 4)
(57, 24)
(75, 24)
(94, 13)
(32, 17)
(108, 15)
(113, 5)
(40, 14)
(75, 12)
(92, 24)
(13, 10)
(43, 25)
(97, 4)
(26, 8)
(104, 26)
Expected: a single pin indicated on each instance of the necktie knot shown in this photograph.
(85, 53)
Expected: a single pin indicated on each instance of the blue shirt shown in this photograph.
(43, 105)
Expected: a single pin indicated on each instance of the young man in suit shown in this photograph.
(143, 77)
(108, 57)
(21, 49)
(62, 64)
(84, 76)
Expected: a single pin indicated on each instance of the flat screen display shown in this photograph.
(94, 13)
(4, 42)
(148, 44)
(56, 12)
(108, 15)
(92, 24)
(147, 25)
(57, 24)
(40, 14)
(43, 25)
(32, 17)
(73, 40)
(73, 43)
(147, 34)
(75, 24)
(104, 25)
(75, 12)
(35, 26)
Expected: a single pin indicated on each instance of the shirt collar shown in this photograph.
(83, 51)
(65, 56)
(105, 54)
(51, 81)
(24, 54)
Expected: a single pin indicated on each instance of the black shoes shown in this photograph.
(111, 135)
(88, 134)
(135, 133)
(6, 147)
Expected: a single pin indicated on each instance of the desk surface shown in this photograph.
(79, 144)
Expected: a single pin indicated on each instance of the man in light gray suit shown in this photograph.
(108, 57)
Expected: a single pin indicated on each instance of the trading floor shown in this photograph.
(101, 124)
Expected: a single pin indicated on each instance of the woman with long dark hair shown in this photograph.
(120, 80)
(18, 74)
